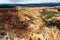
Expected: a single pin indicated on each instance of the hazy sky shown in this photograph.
(28, 1)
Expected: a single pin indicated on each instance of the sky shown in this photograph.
(27, 1)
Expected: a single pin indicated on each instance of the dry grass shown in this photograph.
(38, 32)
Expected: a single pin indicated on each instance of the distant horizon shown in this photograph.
(31, 5)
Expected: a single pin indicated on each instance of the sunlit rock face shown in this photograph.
(29, 23)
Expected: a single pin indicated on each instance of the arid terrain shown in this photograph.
(30, 23)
